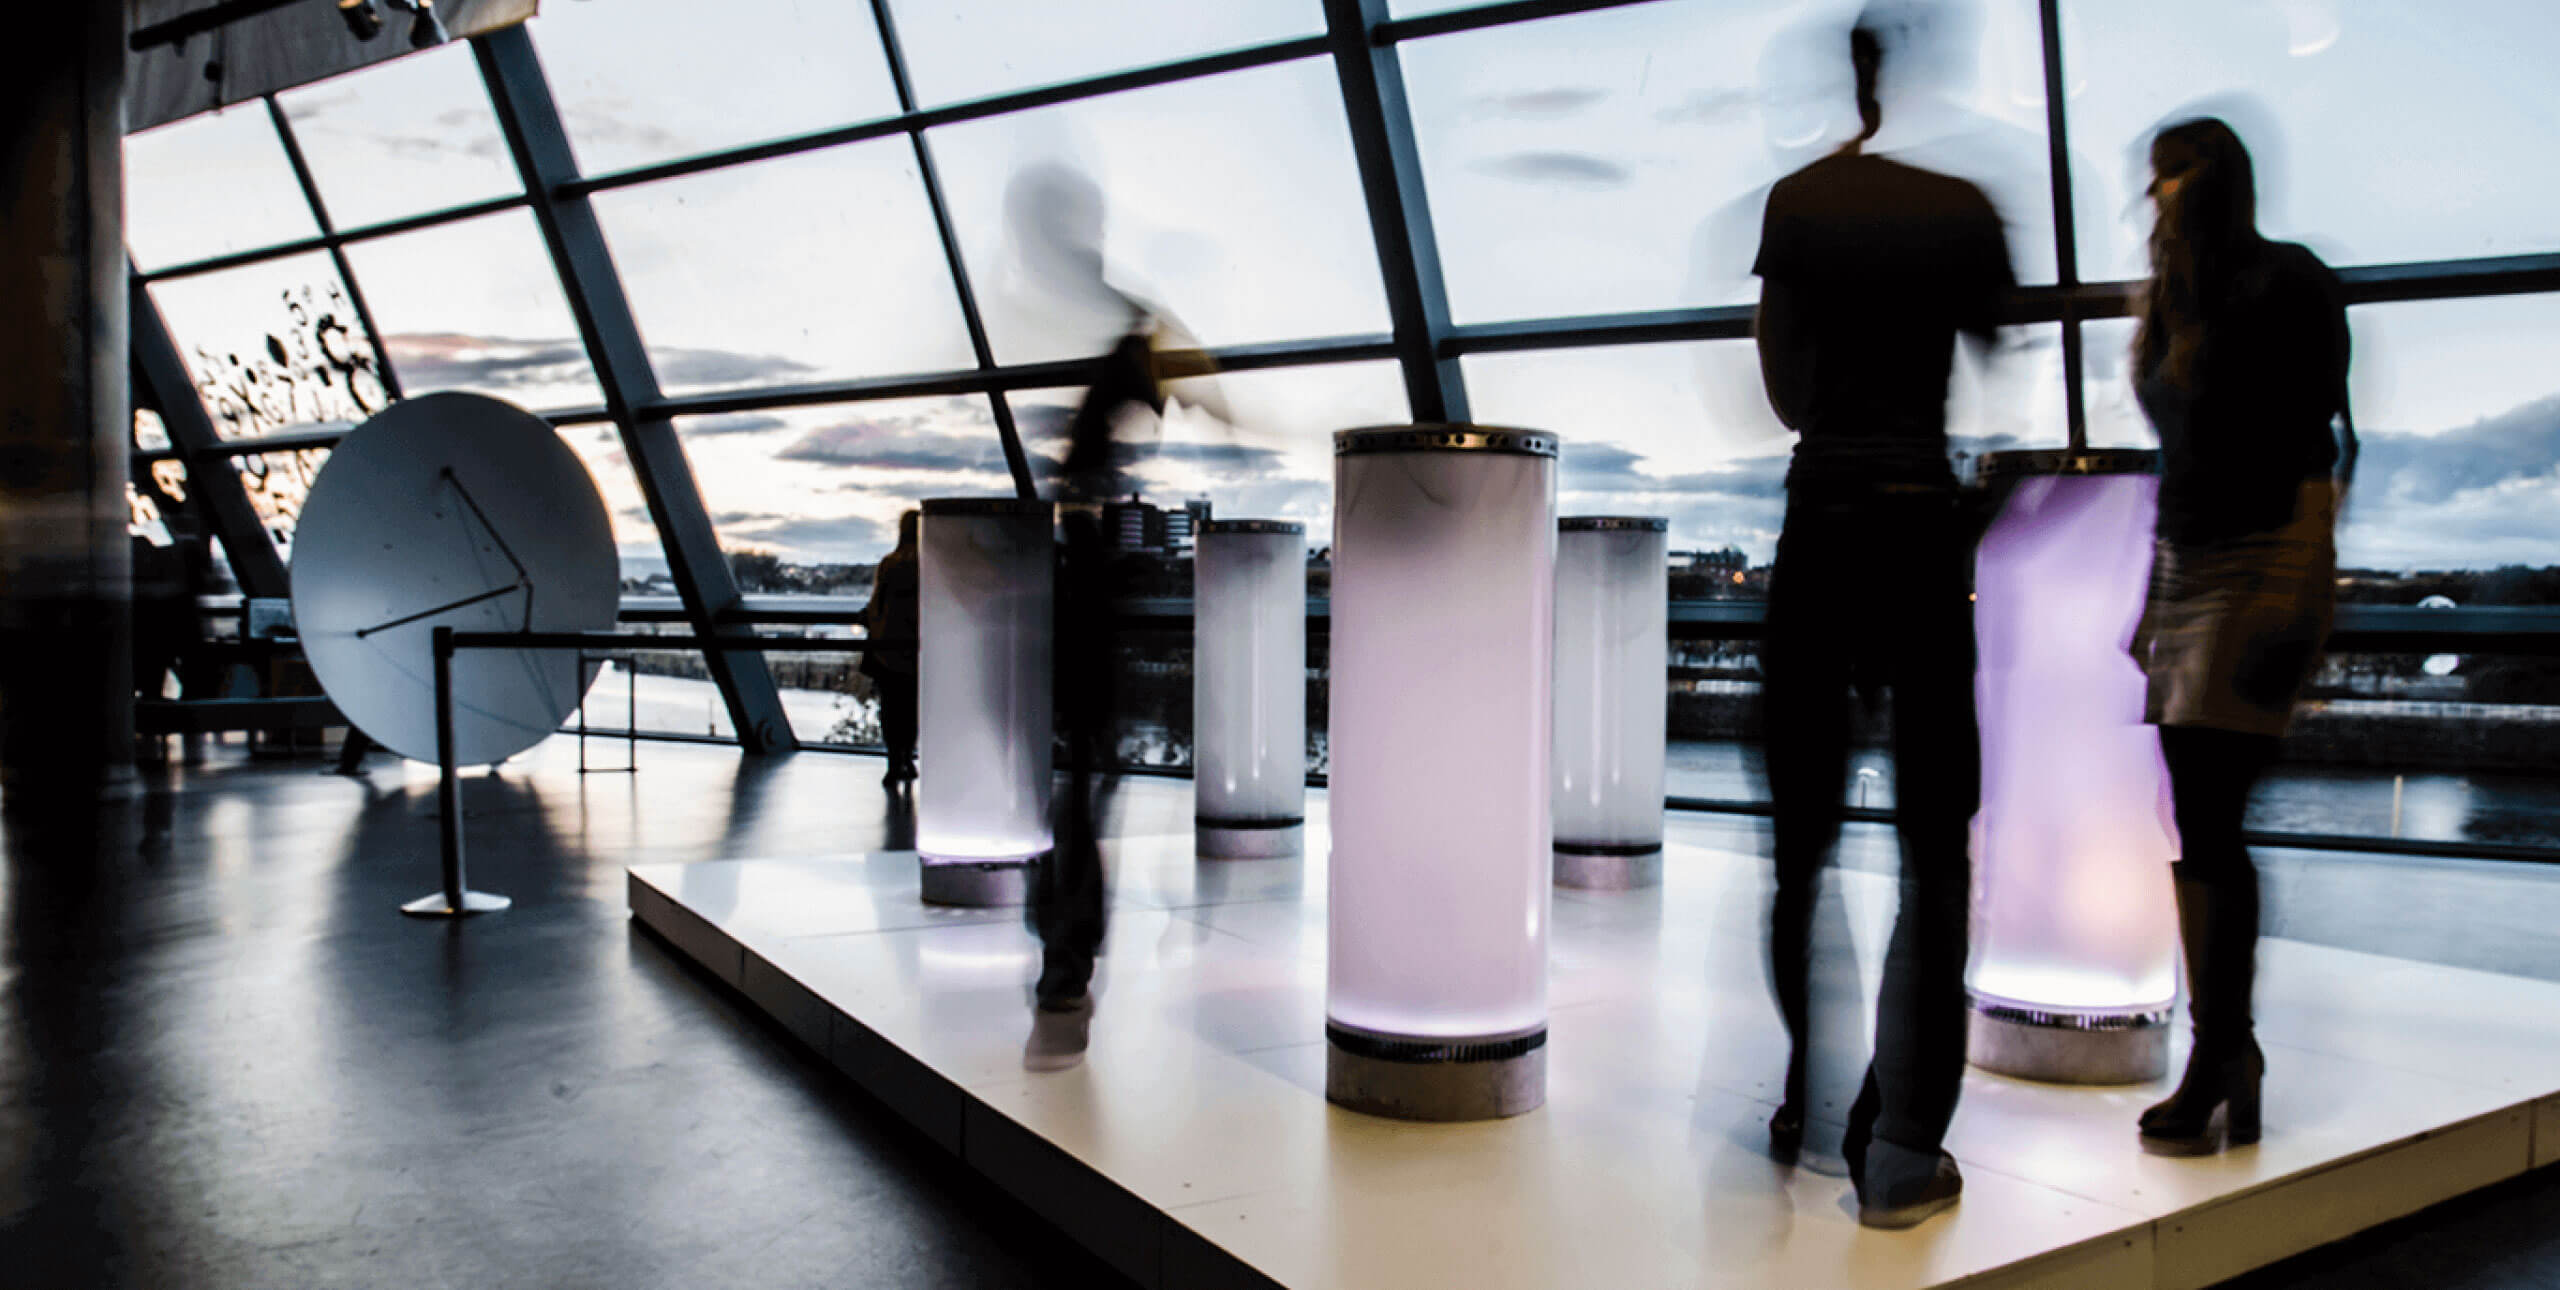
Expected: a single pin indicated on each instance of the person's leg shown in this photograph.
(1920, 1013)
(897, 694)
(1910, 1097)
(2211, 773)
(1067, 899)
(1805, 732)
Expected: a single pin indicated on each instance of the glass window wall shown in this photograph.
(210, 185)
(645, 81)
(401, 138)
(1231, 202)
(819, 266)
(969, 49)
(475, 306)
(274, 345)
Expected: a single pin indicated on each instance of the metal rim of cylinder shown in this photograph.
(2015, 463)
(1285, 528)
(1444, 437)
(1613, 524)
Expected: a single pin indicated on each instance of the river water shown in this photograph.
(2506, 808)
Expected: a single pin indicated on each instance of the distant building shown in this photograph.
(1134, 526)
(1182, 527)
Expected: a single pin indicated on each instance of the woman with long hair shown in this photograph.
(2240, 362)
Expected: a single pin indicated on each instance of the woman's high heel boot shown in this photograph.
(2218, 927)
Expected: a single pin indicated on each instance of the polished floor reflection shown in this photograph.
(224, 1060)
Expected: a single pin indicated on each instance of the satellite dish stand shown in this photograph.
(457, 900)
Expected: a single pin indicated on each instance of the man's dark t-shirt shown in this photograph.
(1885, 263)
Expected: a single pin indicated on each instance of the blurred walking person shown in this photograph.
(2240, 361)
(1871, 270)
(891, 626)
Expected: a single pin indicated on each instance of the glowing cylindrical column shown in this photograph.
(1443, 667)
(986, 570)
(1249, 687)
(1613, 655)
(2075, 932)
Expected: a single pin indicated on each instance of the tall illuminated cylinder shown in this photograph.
(986, 570)
(2075, 933)
(1613, 654)
(1249, 687)
(1442, 672)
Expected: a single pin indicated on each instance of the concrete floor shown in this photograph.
(225, 1061)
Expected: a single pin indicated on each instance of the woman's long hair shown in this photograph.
(2206, 194)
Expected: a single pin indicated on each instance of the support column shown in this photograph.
(66, 629)
(530, 119)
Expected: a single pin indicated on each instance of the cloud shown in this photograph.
(886, 445)
(721, 368)
(611, 125)
(1215, 458)
(732, 423)
(1547, 104)
(832, 539)
(1568, 169)
(1597, 469)
(2516, 445)
(501, 364)
(1708, 107)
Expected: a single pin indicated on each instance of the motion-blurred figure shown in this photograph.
(890, 624)
(1870, 270)
(1059, 210)
(2240, 361)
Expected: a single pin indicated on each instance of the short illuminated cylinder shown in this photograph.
(1249, 687)
(986, 575)
(1442, 666)
(2075, 934)
(1613, 655)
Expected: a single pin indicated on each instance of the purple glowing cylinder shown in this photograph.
(2074, 915)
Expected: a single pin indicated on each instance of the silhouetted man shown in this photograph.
(1870, 271)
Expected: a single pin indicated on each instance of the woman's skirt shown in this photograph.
(2235, 628)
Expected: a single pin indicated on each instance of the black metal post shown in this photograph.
(456, 900)
(1399, 214)
(539, 144)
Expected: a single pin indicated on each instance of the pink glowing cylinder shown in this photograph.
(1249, 688)
(986, 569)
(2075, 926)
(1442, 673)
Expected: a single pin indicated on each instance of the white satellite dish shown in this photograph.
(461, 511)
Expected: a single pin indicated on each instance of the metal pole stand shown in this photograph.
(456, 900)
(630, 715)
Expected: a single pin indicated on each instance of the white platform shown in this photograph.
(1194, 1147)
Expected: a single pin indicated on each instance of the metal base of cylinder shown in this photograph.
(2068, 1047)
(1439, 1080)
(1608, 867)
(473, 902)
(978, 884)
(1250, 840)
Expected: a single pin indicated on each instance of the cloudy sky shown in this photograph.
(1595, 163)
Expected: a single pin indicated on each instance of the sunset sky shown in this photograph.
(1603, 162)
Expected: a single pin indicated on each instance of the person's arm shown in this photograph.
(1989, 280)
(1778, 328)
(2341, 353)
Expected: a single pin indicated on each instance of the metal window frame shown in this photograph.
(1426, 344)
(530, 120)
(214, 489)
(337, 245)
